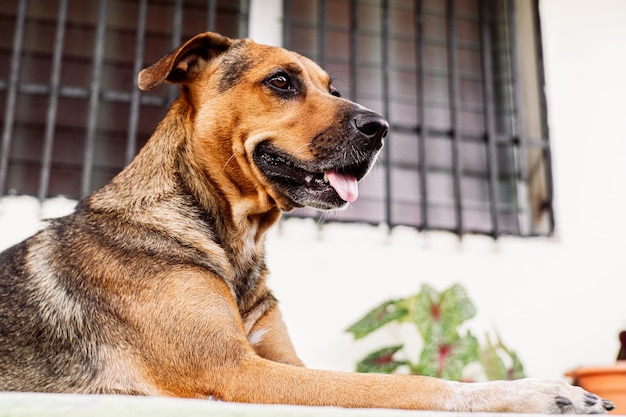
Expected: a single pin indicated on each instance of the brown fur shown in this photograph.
(156, 284)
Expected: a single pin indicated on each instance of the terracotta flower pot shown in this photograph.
(607, 381)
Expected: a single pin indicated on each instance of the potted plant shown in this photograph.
(447, 352)
(607, 381)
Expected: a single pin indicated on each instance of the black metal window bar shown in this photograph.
(461, 82)
(72, 115)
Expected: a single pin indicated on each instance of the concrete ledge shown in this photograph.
(69, 405)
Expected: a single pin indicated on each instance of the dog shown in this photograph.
(156, 283)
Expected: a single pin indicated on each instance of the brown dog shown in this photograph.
(156, 285)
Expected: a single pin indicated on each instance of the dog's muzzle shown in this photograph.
(343, 155)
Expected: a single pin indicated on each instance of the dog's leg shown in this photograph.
(278, 383)
(270, 339)
(200, 348)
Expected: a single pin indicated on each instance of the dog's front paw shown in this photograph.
(592, 405)
(557, 397)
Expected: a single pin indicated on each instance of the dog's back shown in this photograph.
(43, 333)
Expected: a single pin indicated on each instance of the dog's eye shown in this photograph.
(335, 93)
(281, 81)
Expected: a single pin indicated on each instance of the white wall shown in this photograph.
(266, 25)
(558, 302)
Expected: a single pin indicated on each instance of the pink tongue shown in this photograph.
(345, 185)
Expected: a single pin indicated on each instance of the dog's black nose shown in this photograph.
(373, 126)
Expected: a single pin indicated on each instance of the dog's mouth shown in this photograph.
(324, 185)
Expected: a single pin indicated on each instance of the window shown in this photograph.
(71, 113)
(461, 83)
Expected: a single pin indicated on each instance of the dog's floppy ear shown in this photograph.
(182, 64)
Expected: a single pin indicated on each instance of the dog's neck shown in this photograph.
(166, 170)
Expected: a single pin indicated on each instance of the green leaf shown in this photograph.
(517, 369)
(492, 363)
(428, 364)
(455, 309)
(378, 317)
(381, 361)
(438, 315)
(463, 351)
(422, 309)
(448, 360)
(466, 349)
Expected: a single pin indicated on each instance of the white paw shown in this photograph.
(557, 397)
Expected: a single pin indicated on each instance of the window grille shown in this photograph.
(72, 115)
(461, 82)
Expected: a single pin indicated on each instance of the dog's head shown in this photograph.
(270, 119)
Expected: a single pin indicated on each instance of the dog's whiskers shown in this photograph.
(300, 148)
(228, 161)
